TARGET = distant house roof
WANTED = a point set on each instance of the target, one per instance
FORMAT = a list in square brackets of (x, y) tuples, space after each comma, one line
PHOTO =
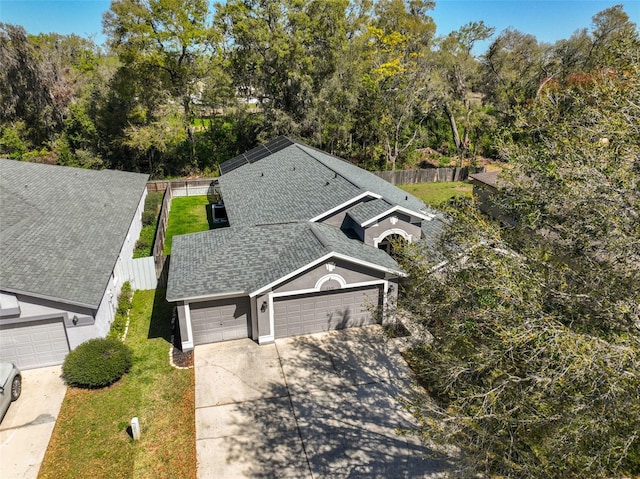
[(244, 259), (285, 181), (62, 229), (489, 178)]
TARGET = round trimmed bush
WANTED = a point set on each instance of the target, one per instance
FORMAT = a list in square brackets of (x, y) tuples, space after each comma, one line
[(97, 363)]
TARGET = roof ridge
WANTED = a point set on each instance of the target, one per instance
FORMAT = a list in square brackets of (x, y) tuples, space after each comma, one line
[(315, 229)]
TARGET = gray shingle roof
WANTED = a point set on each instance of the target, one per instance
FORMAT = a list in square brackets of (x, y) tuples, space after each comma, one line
[(244, 259), (298, 183), (61, 228), (363, 212), (367, 181)]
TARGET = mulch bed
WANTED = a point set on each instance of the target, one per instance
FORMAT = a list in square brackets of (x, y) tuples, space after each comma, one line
[(181, 359)]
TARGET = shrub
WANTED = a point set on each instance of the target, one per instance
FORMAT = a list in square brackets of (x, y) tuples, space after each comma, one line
[(124, 302), (124, 305), (97, 363)]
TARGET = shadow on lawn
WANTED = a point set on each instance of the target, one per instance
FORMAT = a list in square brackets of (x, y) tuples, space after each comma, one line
[(160, 326), (343, 416)]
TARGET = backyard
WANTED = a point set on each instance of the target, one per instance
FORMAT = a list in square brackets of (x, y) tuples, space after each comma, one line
[(439, 192), (91, 436), (188, 215)]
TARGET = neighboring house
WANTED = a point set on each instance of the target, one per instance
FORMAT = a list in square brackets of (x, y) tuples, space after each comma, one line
[(63, 235), (306, 249), (485, 186)]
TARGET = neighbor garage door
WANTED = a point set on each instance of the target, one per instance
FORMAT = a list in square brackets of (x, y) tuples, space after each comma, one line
[(315, 312), (216, 321), (34, 344)]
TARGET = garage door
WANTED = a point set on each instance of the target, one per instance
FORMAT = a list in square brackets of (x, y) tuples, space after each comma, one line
[(34, 344), (216, 321), (316, 312)]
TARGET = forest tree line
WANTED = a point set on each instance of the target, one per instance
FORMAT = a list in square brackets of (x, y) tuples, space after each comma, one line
[(182, 85)]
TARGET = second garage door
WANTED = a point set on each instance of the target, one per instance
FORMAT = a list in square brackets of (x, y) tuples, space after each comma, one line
[(216, 321), (34, 344), (326, 310)]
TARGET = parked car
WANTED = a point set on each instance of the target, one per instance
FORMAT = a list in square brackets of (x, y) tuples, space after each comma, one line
[(10, 386)]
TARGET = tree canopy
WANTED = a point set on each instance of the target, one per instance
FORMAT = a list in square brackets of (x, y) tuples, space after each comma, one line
[(367, 80), (533, 370)]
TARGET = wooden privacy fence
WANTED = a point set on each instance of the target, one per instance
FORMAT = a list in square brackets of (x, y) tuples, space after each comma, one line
[(429, 175), (193, 187), (160, 260)]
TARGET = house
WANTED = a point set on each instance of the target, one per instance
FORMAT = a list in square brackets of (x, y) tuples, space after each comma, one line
[(485, 188), (306, 249), (63, 235)]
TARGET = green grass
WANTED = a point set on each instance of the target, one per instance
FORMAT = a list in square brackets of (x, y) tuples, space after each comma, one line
[(152, 204), (439, 192), (90, 438), (188, 215)]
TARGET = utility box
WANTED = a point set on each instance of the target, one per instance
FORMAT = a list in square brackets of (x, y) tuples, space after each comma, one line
[(135, 428)]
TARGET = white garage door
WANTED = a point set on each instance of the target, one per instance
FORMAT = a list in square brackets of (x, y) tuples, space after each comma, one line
[(34, 344), (326, 310), (217, 321)]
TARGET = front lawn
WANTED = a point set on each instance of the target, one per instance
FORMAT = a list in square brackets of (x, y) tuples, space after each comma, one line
[(438, 192), (90, 438), (188, 215)]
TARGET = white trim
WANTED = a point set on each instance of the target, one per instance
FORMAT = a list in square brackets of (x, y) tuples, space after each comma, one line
[(271, 337), (393, 210), (329, 277), (327, 256), (403, 233), (344, 205), (196, 299), (188, 344), (314, 290)]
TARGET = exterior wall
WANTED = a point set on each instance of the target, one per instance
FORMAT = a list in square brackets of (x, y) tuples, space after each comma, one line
[(333, 274), (372, 233), (351, 272), (106, 311)]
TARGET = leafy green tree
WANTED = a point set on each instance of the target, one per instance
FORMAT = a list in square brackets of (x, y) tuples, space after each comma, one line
[(396, 95), (31, 90), (533, 370), (458, 72)]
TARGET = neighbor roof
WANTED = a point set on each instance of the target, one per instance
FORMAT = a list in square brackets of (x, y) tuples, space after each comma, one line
[(489, 178), (286, 181), (244, 259), (62, 228)]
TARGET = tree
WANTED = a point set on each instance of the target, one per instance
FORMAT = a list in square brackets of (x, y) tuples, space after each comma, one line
[(458, 72), (281, 53), (534, 366), (31, 91), (170, 39), (396, 95), (513, 68), (167, 48)]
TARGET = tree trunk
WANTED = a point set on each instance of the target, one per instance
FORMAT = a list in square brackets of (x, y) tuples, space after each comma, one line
[(454, 126)]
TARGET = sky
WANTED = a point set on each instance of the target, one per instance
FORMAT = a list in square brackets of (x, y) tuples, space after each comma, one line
[(548, 20)]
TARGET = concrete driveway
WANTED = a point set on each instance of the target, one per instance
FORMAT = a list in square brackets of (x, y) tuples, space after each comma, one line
[(323, 405), (26, 428)]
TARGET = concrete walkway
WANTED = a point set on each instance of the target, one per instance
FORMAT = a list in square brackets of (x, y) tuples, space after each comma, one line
[(26, 428), (323, 405)]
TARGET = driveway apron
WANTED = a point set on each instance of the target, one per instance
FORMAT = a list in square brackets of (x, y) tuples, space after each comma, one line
[(26, 428), (322, 405)]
